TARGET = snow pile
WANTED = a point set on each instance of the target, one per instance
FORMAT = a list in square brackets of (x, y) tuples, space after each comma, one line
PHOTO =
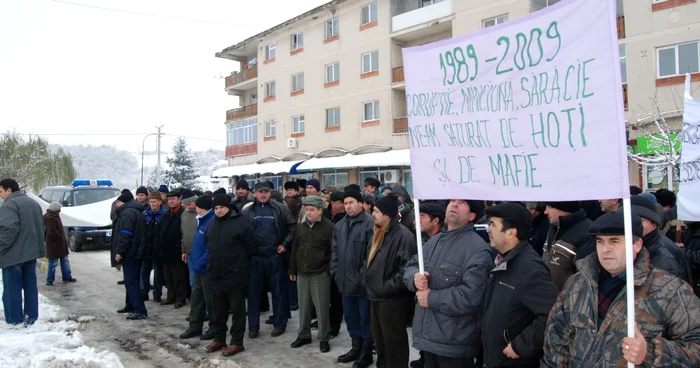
[(52, 342)]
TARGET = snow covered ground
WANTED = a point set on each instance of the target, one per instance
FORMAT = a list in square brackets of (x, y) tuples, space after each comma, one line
[(54, 341)]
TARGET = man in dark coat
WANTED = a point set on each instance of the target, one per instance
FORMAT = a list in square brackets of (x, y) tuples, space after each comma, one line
[(519, 295), (568, 240), (231, 242), (128, 242), (406, 212), (243, 195), (392, 246), (691, 245), (540, 226), (56, 245), (451, 292), (170, 242), (352, 237), (153, 255), (335, 212)]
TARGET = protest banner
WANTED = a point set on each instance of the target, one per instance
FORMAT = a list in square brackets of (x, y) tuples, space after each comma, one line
[(689, 188), (527, 110)]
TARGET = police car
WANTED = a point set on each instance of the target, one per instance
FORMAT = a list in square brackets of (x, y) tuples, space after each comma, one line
[(79, 193)]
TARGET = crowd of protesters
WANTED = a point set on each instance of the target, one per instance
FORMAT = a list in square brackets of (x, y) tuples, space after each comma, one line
[(543, 286)]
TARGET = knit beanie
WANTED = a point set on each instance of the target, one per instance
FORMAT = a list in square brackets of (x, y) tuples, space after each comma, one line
[(644, 208), (570, 207), (55, 207), (314, 183), (124, 198), (389, 205), (353, 194), (204, 202), (220, 200), (243, 184), (163, 188), (142, 190), (220, 191)]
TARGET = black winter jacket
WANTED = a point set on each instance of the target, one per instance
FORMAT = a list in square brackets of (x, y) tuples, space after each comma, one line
[(660, 257), (692, 252), (519, 297), (170, 237), (231, 243), (383, 278), (567, 243), (129, 230), (540, 230), (352, 237), (311, 254)]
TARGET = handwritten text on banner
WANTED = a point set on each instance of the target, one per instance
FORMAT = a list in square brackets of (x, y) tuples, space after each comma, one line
[(529, 110)]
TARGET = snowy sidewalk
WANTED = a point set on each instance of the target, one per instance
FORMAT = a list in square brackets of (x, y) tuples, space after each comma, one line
[(53, 341)]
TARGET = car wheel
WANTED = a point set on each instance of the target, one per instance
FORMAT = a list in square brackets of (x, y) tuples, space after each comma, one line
[(73, 243)]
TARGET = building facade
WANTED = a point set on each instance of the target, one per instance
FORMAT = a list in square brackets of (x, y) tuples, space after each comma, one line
[(323, 94)]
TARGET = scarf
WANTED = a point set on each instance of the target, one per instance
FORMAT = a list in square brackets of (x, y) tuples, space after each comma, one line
[(379, 232), (608, 289)]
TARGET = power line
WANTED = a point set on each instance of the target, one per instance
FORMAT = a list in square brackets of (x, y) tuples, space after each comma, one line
[(153, 15), (110, 134)]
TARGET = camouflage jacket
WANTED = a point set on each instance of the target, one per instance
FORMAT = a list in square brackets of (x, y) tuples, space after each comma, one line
[(667, 312)]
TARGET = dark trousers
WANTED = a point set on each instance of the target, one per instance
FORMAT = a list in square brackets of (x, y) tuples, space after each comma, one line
[(15, 280), (388, 322), (436, 361), (270, 269), (134, 298), (158, 277), (177, 280), (220, 305), (336, 312), (357, 320), (201, 298)]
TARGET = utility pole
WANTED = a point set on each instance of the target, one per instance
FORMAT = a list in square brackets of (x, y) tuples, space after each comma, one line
[(158, 144)]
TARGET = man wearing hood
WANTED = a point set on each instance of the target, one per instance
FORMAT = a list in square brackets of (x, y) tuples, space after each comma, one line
[(408, 217), (128, 244)]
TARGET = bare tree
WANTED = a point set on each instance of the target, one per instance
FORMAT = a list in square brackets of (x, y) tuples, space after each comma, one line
[(654, 126)]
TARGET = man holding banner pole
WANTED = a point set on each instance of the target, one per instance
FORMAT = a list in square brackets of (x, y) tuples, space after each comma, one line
[(451, 290), (585, 326)]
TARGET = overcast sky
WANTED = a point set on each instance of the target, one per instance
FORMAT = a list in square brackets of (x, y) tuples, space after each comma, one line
[(75, 69)]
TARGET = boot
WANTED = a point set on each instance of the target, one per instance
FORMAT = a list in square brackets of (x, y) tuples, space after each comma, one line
[(353, 354), (366, 358)]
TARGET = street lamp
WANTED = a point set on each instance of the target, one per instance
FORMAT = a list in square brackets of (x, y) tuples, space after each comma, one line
[(142, 148)]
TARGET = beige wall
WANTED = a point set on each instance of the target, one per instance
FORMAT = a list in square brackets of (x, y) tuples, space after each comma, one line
[(470, 14)]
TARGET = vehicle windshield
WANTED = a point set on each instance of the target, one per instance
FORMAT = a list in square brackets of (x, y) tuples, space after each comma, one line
[(83, 197)]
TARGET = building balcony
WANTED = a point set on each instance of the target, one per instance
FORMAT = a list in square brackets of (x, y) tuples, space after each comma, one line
[(397, 75), (245, 80), (621, 27), (400, 125), (423, 22), (242, 150), (242, 112)]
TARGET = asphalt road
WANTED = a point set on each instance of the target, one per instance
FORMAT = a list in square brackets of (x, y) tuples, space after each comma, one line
[(154, 342)]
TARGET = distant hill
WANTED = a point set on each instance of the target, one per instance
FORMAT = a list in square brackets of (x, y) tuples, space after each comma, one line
[(124, 167)]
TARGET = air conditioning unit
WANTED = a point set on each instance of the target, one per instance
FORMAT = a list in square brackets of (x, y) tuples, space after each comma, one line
[(391, 176), (292, 143)]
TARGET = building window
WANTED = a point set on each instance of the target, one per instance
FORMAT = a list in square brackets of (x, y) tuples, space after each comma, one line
[(536, 5), (370, 62), (333, 72), (408, 181), (332, 27), (270, 128), (339, 180), (623, 63), (254, 99), (276, 181), (678, 59), (333, 117), (425, 3), (296, 41), (368, 13), (270, 89), (495, 21), (242, 132), (270, 51), (298, 82), (371, 111), (298, 124), (370, 172)]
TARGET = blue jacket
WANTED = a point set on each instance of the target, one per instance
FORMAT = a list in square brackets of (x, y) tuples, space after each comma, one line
[(198, 255)]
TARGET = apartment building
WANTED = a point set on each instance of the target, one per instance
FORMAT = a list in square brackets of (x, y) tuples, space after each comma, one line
[(323, 94)]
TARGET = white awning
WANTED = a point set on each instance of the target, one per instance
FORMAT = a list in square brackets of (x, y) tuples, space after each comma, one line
[(280, 167), (379, 159)]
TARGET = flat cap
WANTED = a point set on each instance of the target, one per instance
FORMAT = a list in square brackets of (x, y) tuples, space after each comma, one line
[(513, 212), (313, 200), (613, 223)]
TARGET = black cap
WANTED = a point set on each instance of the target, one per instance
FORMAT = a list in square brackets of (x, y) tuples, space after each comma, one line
[(644, 208), (220, 191), (373, 182), (613, 223), (389, 205), (351, 187), (126, 197), (337, 196), (570, 206), (263, 185), (204, 202), (221, 200), (353, 194), (142, 190), (174, 193), (514, 213), (243, 184), (433, 210)]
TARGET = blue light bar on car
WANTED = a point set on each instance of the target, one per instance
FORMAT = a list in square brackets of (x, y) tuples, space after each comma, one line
[(85, 182)]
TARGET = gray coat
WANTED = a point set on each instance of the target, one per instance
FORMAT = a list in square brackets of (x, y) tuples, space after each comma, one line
[(21, 230), (352, 237), (459, 263), (188, 227)]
